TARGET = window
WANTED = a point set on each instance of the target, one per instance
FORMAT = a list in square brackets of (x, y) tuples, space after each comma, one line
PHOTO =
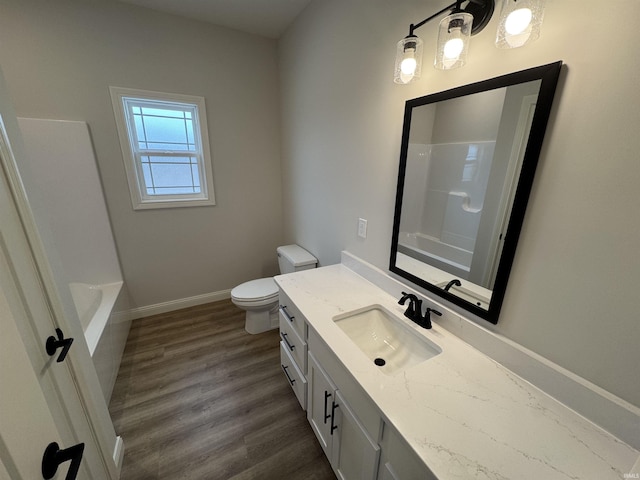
[(165, 148)]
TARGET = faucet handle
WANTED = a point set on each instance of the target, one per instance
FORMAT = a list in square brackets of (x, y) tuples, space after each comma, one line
[(426, 321)]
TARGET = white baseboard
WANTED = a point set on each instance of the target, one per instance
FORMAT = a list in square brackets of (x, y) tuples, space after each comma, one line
[(118, 453), (172, 305)]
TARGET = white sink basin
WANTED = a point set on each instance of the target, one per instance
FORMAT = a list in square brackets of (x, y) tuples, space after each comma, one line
[(385, 339)]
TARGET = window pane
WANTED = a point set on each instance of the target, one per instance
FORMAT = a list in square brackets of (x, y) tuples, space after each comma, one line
[(190, 136), (163, 112), (171, 175), (164, 130), (195, 174), (148, 180)]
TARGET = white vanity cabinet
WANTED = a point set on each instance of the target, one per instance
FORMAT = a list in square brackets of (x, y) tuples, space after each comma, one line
[(349, 447), (293, 347), (397, 461), (345, 420)]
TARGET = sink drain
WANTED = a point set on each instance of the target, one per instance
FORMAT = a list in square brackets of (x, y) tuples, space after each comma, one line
[(380, 362)]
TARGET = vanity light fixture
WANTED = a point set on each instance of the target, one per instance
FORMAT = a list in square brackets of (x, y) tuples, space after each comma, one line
[(520, 22)]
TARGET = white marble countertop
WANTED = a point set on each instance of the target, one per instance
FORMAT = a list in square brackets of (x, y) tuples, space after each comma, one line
[(464, 414)]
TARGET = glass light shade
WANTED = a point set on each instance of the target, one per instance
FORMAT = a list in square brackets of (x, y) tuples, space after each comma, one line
[(408, 60), (454, 34), (520, 22)]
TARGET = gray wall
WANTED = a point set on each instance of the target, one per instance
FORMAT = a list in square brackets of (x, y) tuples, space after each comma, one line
[(577, 268), (59, 58)]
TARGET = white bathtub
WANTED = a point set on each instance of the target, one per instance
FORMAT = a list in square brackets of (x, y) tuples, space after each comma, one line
[(432, 251), (104, 332)]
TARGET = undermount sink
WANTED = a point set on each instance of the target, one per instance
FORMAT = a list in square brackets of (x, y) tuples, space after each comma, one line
[(385, 339)]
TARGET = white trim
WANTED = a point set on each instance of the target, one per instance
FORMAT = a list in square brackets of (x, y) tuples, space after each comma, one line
[(170, 306), (599, 406), (139, 199), (118, 453)]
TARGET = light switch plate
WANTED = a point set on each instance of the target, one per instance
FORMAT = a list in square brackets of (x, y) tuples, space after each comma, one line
[(362, 228)]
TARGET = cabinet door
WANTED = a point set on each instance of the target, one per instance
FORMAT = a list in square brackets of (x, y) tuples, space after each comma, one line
[(398, 461), (320, 399), (355, 454), (387, 472)]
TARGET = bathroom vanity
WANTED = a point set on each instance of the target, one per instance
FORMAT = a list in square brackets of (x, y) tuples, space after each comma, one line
[(452, 412)]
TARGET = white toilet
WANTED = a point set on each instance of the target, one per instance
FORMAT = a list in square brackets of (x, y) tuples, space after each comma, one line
[(260, 297)]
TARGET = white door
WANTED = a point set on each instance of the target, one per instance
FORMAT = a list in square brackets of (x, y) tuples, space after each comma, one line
[(26, 424), (40, 399)]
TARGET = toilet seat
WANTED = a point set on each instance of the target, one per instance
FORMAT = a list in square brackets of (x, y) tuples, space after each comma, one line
[(255, 293)]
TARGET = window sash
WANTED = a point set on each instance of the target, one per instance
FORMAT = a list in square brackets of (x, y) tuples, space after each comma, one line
[(188, 115), (169, 165), (148, 159)]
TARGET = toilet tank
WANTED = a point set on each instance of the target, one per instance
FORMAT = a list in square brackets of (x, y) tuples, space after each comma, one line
[(294, 258)]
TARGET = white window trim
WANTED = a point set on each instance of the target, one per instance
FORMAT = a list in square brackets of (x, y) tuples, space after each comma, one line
[(139, 199)]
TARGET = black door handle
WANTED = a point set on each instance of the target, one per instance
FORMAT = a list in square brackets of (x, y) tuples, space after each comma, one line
[(53, 457), (54, 344)]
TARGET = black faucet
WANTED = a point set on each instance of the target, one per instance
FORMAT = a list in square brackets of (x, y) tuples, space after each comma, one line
[(453, 282), (414, 310), (426, 321)]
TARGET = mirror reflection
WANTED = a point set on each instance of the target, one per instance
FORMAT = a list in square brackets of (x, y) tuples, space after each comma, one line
[(461, 164)]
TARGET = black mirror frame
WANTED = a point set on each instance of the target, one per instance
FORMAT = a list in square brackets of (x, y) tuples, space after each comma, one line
[(548, 74)]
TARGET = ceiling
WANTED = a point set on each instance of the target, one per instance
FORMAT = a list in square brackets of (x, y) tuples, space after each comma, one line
[(269, 18)]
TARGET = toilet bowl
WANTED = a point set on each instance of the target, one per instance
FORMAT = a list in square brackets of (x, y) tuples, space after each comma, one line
[(259, 298)]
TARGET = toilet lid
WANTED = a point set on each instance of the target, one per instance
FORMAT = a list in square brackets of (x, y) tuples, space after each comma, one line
[(256, 290)]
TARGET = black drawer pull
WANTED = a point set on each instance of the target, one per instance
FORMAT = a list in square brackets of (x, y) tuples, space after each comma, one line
[(326, 415), (284, 338), (53, 457), (291, 380), (286, 314), (334, 405), (54, 344)]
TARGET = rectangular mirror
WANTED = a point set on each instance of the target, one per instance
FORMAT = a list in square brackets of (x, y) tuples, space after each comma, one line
[(467, 162)]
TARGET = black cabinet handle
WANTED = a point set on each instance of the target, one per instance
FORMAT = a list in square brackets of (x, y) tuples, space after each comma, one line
[(326, 415), (54, 344), (286, 314), (53, 457), (334, 405), (291, 380), (284, 337)]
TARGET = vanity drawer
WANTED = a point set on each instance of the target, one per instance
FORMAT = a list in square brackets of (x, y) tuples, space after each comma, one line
[(293, 315), (294, 375), (294, 344)]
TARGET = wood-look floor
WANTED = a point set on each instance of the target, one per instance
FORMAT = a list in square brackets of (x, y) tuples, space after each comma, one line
[(199, 398)]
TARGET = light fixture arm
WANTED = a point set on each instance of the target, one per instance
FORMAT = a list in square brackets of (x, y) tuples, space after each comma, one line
[(482, 10), (414, 27)]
